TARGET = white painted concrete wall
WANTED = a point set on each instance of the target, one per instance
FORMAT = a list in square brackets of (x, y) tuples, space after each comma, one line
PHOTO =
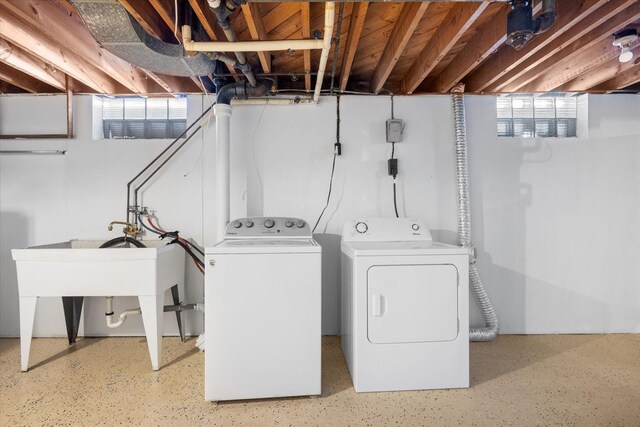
[(555, 222)]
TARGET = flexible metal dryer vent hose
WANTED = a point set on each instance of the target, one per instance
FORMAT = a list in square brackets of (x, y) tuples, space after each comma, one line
[(490, 330)]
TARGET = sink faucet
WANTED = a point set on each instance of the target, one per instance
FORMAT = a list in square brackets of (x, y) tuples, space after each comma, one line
[(129, 229)]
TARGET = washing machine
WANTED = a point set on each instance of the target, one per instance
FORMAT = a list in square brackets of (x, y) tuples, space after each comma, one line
[(405, 307), (263, 311)]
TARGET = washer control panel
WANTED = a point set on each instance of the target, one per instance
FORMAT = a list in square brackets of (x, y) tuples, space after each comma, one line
[(386, 230), (268, 227)]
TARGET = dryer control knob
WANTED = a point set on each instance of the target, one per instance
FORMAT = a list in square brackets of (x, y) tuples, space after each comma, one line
[(248, 224), (415, 227), (237, 224), (362, 227), (300, 224), (288, 223), (269, 223)]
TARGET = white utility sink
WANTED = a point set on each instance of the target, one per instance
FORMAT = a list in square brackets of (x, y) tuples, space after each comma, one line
[(79, 268)]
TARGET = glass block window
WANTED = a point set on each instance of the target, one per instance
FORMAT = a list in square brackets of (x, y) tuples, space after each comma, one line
[(524, 116), (143, 118)]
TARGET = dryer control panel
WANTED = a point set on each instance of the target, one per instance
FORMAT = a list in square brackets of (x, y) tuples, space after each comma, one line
[(386, 230), (268, 227)]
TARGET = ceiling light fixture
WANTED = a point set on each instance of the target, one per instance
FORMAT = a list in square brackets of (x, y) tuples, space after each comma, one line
[(624, 40)]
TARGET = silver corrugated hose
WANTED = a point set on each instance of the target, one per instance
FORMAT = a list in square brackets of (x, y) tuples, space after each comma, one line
[(490, 330)]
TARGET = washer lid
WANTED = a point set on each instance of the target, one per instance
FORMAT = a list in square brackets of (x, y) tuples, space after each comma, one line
[(401, 248), (247, 246)]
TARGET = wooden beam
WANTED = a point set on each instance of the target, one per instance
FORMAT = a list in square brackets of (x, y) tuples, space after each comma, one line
[(306, 34), (577, 48), (279, 14), (358, 16), (506, 59), (599, 74), (210, 25), (408, 20), (69, 61), (206, 17), (166, 10), (24, 81), (149, 19), (626, 78), (16, 58), (489, 38), (254, 21), (582, 32), (67, 37), (174, 84), (571, 68), (455, 24)]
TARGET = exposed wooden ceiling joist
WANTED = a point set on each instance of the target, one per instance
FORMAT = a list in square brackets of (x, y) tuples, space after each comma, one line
[(255, 24), (566, 70), (306, 33), (579, 49), (620, 81), (166, 10), (410, 16), (24, 81), (70, 39), (457, 22), (145, 14), (206, 18), (32, 41), (490, 37), (599, 74), (16, 58), (588, 29), (358, 15), (506, 59)]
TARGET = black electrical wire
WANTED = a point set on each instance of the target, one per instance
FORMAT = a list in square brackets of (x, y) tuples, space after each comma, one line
[(336, 48), (186, 248), (337, 150), (333, 168), (393, 151)]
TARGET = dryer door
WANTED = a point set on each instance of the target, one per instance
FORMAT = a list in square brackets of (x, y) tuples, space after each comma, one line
[(412, 303)]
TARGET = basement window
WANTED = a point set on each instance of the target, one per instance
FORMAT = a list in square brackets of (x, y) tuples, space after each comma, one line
[(537, 116), (141, 118)]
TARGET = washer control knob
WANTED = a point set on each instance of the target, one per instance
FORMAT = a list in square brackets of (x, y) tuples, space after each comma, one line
[(236, 224), (362, 227), (288, 223), (269, 223), (300, 224), (415, 227), (248, 224)]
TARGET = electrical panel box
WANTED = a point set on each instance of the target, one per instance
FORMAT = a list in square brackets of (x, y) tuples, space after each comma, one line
[(395, 127)]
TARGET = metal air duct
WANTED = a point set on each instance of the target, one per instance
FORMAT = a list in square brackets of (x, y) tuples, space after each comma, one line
[(119, 33)]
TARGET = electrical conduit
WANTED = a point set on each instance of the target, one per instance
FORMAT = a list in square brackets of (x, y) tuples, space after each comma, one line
[(490, 330)]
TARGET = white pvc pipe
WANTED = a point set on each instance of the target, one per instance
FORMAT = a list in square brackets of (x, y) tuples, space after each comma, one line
[(329, 16), (123, 315), (248, 46), (222, 113)]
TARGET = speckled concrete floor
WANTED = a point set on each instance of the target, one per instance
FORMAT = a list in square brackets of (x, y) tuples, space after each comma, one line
[(518, 380)]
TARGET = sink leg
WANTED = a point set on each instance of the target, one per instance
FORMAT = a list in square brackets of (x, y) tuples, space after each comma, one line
[(72, 311), (152, 307), (27, 316), (176, 301)]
